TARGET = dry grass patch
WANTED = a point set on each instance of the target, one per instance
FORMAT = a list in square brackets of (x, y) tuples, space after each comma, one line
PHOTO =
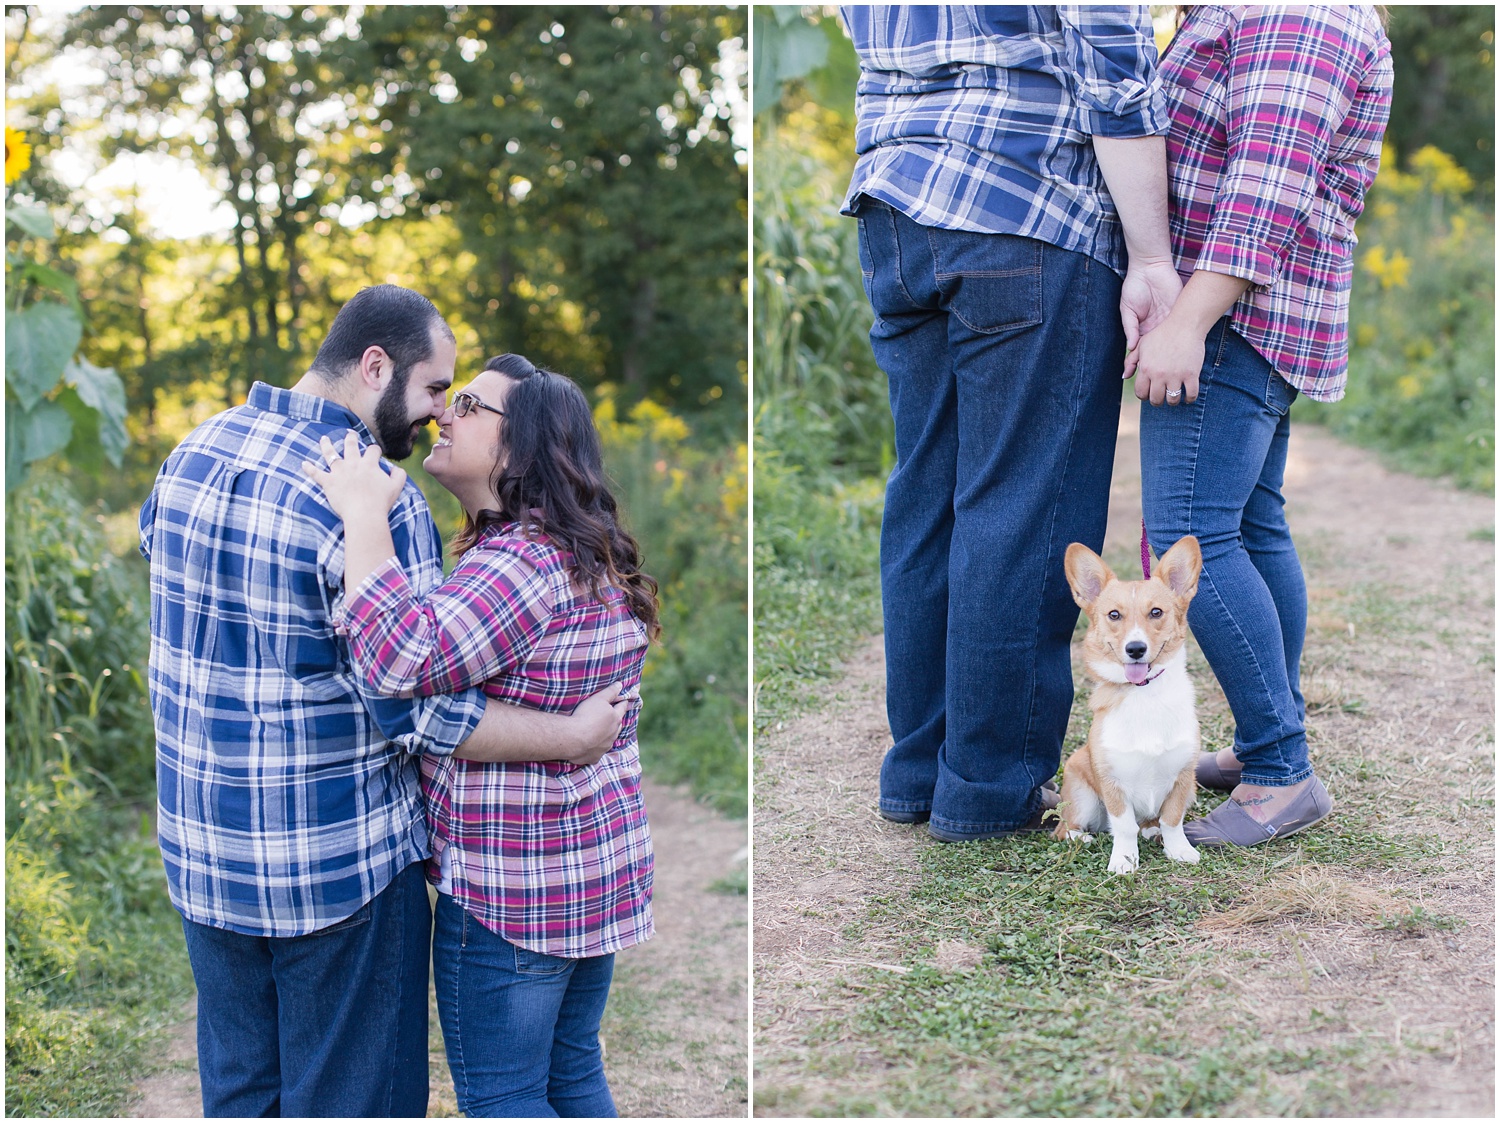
[(1308, 893)]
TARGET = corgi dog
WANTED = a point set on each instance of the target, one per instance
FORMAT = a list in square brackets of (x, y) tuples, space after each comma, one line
[(1137, 768)]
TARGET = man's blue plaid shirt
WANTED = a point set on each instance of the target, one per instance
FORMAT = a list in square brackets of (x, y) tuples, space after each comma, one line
[(982, 118), (288, 795)]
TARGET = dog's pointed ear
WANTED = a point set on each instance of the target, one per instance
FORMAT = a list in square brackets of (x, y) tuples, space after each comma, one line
[(1180, 566), (1087, 574)]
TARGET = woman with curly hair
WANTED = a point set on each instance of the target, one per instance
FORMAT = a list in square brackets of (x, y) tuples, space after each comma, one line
[(543, 870)]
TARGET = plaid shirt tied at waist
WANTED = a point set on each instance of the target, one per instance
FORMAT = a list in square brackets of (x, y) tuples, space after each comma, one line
[(1277, 118), (288, 793), (982, 118), (553, 857)]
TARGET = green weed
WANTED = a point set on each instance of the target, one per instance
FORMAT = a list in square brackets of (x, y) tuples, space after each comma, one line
[(823, 437), (1077, 1004), (95, 964), (735, 884), (1422, 325)]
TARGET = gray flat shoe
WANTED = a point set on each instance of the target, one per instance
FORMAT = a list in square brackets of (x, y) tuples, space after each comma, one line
[(1215, 778), (1230, 825)]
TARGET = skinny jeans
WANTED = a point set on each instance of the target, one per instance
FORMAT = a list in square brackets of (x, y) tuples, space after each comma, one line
[(1214, 468)]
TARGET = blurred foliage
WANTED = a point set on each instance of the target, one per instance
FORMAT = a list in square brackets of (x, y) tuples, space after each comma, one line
[(585, 158), (823, 437), (688, 507), (1444, 58), (561, 181), (55, 399), (1422, 324), (76, 642), (94, 966)]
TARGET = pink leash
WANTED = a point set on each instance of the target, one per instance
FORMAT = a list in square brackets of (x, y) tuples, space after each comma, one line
[(1145, 554)]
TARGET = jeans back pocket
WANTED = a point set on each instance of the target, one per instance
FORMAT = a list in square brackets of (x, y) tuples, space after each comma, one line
[(991, 282), (1280, 394)]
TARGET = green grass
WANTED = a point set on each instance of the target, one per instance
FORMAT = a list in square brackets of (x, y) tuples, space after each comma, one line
[(1080, 1003), (1092, 995), (824, 440), (95, 964), (735, 884), (817, 580)]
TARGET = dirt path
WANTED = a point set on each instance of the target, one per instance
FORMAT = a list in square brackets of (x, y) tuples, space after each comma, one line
[(675, 1031), (1399, 679)]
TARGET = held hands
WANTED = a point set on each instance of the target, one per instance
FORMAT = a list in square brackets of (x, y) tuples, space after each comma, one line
[(1167, 362), (1149, 290), (354, 483), (1168, 357)]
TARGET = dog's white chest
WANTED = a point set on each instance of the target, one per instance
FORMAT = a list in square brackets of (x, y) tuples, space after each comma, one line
[(1148, 739)]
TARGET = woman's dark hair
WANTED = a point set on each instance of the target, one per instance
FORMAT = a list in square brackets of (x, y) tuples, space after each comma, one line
[(395, 319), (551, 476)]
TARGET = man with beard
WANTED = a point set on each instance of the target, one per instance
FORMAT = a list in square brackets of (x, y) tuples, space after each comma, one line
[(289, 808)]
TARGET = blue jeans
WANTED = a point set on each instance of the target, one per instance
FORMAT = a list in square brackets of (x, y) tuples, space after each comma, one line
[(1213, 469), (333, 1023), (521, 1027), (1004, 357)]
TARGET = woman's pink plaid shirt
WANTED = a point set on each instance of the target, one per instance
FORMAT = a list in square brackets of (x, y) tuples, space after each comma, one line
[(553, 857), (1277, 116)]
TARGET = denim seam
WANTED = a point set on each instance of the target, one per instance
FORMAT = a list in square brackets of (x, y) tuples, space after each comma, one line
[(1034, 799), (462, 1076), (905, 804), (900, 265), (979, 829), (1015, 327)]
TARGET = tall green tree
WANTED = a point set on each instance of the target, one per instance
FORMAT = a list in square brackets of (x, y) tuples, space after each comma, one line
[(586, 156), (1444, 57), (245, 93)]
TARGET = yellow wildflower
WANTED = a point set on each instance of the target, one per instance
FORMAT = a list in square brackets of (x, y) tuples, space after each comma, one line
[(664, 426), (1397, 270), (1391, 271), (1441, 171), (1409, 385), (735, 493), (1391, 179), (17, 154)]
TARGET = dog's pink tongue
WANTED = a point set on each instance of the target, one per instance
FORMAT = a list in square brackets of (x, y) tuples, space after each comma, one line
[(1137, 672)]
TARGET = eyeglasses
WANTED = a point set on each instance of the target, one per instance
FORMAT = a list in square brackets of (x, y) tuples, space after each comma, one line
[(464, 404)]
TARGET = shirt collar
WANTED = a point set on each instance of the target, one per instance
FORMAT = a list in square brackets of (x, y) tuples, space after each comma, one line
[(306, 407)]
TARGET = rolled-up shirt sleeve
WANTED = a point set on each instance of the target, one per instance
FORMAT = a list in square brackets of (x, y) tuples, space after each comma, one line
[(435, 724), (1293, 74), (487, 616), (438, 724), (1112, 52)]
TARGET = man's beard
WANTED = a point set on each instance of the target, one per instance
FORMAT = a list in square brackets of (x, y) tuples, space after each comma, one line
[(395, 432)]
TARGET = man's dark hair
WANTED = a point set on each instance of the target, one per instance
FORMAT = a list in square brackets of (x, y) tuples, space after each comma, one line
[(387, 316)]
